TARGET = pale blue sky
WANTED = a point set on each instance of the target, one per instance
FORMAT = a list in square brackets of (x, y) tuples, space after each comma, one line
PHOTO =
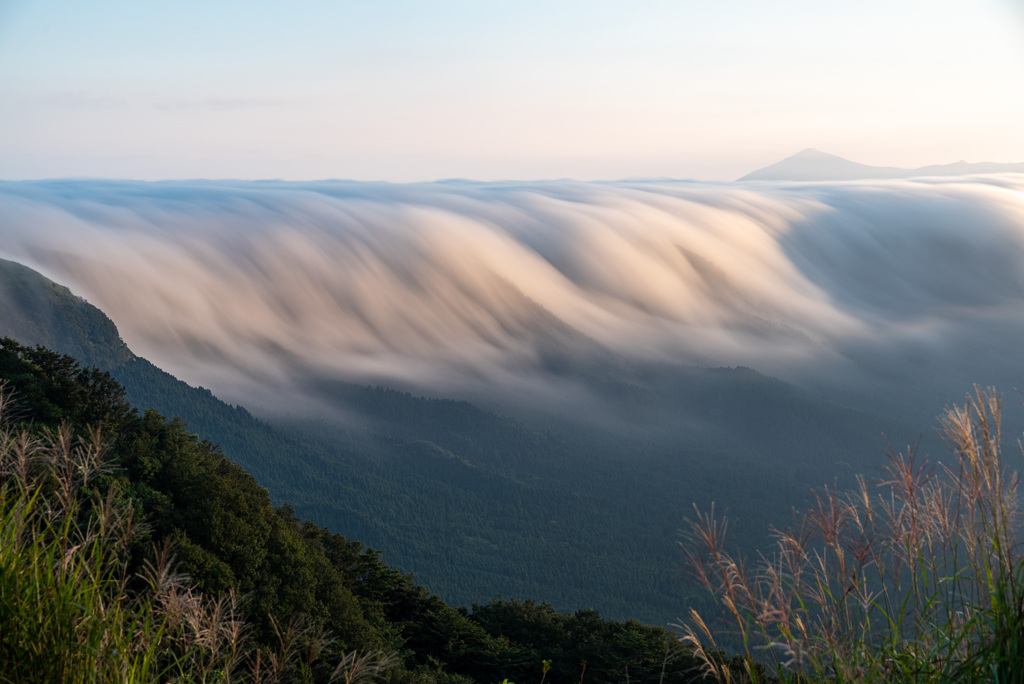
[(487, 89)]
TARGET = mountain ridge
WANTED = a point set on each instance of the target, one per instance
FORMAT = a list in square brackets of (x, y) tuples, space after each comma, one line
[(814, 165)]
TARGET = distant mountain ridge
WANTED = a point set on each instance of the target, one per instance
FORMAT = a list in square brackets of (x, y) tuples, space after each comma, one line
[(815, 165), (39, 311)]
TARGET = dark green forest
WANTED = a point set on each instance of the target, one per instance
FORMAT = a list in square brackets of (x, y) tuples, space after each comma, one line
[(227, 535)]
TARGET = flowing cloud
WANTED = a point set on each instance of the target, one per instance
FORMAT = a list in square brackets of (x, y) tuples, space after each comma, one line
[(251, 287)]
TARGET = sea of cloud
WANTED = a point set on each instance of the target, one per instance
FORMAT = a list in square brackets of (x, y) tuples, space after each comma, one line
[(897, 287)]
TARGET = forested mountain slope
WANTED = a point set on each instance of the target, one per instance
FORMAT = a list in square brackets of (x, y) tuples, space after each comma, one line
[(228, 537), (478, 504)]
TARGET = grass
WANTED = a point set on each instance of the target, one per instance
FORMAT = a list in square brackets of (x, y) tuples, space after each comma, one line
[(72, 612), (916, 578)]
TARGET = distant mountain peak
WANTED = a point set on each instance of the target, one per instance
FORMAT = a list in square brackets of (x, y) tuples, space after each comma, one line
[(811, 164), (811, 152)]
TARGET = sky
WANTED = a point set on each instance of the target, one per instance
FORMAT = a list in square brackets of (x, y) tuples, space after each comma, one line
[(404, 90)]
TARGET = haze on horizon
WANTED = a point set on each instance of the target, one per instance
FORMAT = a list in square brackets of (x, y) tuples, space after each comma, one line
[(405, 91)]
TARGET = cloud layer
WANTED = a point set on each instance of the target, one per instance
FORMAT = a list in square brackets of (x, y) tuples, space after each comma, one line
[(245, 286)]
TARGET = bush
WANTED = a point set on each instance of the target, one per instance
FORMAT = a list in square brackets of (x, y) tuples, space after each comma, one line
[(72, 611), (921, 581)]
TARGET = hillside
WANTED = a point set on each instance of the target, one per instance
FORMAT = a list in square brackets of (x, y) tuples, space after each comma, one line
[(229, 538), (477, 504)]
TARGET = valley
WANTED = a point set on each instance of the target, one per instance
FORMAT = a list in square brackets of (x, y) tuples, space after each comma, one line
[(479, 505)]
